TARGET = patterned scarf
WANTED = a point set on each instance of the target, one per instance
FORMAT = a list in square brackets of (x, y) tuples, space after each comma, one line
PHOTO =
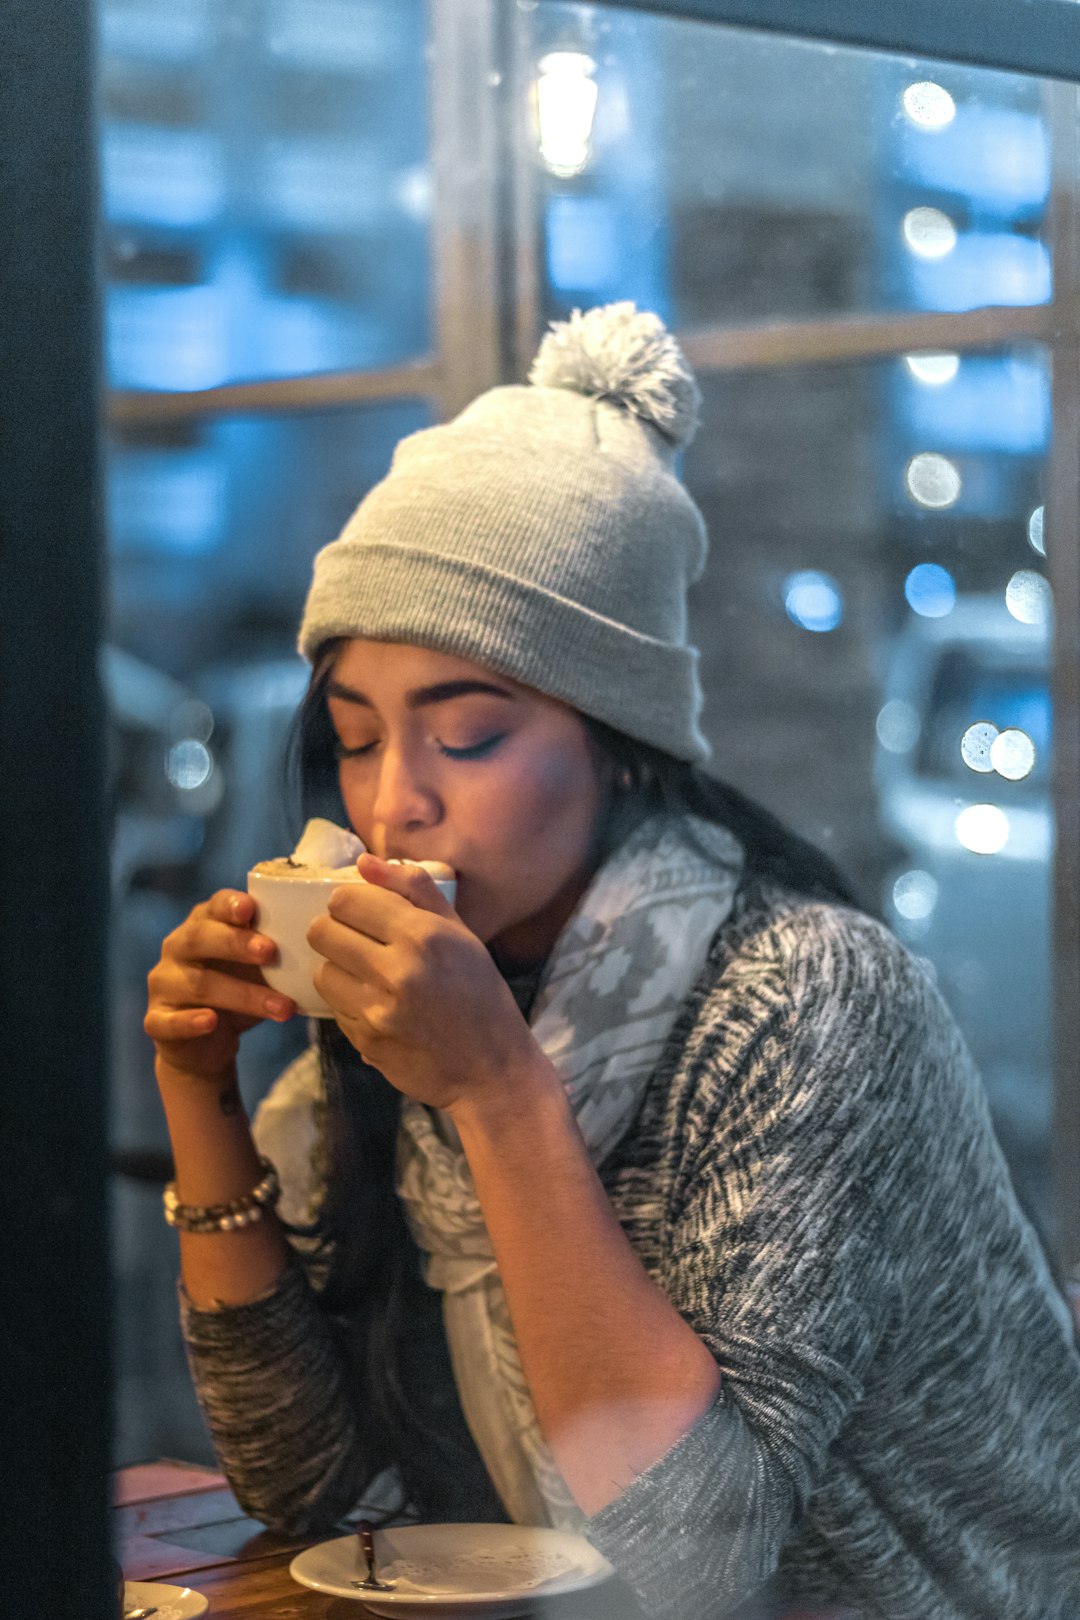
[(606, 1001)]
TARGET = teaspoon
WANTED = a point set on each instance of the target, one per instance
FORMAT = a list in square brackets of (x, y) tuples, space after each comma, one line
[(371, 1582)]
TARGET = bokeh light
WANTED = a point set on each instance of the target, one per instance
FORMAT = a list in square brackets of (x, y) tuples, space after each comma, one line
[(898, 726), (1012, 754), (915, 894), (933, 369), (929, 233), (976, 743), (982, 828), (813, 600), (1028, 597), (188, 764), (932, 480), (930, 590), (192, 718), (1036, 537), (928, 104)]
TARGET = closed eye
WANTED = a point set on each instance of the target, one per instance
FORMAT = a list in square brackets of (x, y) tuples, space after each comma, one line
[(476, 751)]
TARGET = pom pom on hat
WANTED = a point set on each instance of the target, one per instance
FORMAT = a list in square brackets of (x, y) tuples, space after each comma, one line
[(629, 357)]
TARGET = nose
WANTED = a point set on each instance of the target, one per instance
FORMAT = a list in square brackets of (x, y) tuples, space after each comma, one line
[(405, 800)]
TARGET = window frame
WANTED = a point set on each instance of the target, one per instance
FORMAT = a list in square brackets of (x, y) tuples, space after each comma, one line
[(1041, 37)]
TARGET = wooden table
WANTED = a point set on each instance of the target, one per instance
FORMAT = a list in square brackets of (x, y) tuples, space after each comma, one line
[(180, 1523)]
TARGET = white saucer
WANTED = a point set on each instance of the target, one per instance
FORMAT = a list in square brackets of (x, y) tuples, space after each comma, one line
[(171, 1602), (448, 1570)]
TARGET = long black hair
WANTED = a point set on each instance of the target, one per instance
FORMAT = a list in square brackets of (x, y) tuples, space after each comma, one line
[(373, 1290)]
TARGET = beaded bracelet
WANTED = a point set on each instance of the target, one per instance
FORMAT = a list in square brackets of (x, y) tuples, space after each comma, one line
[(232, 1217)]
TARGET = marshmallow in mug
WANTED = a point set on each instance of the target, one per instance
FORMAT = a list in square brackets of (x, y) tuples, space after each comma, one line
[(291, 891)]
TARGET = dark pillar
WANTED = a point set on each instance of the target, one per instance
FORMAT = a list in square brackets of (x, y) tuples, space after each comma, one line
[(54, 1290)]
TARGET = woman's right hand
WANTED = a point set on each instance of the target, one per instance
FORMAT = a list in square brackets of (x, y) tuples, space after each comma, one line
[(207, 988)]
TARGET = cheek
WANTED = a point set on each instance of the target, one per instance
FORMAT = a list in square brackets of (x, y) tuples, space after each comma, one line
[(357, 802), (555, 799), (527, 835), (349, 797)]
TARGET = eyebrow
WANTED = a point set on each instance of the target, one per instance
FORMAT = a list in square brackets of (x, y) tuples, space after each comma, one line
[(421, 696)]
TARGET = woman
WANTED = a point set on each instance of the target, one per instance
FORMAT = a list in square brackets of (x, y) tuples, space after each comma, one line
[(651, 1191)]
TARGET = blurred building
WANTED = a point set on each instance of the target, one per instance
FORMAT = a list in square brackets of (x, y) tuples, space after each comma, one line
[(266, 192)]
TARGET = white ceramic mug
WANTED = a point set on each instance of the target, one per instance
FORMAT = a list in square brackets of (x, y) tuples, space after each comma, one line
[(287, 907)]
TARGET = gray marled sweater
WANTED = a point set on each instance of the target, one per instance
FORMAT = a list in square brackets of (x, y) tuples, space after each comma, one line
[(814, 1183)]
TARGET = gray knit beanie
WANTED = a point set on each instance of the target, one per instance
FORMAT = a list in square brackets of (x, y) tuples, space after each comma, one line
[(544, 533)]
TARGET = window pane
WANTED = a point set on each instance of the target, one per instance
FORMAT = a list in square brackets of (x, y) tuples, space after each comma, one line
[(213, 523), (724, 176), (875, 619), (265, 188), (876, 655)]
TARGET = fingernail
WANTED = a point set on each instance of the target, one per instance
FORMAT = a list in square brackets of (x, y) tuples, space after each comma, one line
[(277, 1007), (203, 1020), (258, 947)]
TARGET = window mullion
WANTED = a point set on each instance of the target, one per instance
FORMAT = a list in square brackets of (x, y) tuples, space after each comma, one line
[(1063, 563), (464, 62)]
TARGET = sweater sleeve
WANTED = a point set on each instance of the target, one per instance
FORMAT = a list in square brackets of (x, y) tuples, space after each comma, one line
[(272, 1376), (273, 1387), (791, 1135)]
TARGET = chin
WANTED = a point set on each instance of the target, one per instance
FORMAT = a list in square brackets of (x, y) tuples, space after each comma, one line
[(488, 920)]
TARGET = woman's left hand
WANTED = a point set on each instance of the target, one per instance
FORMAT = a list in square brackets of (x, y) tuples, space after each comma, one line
[(416, 991)]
